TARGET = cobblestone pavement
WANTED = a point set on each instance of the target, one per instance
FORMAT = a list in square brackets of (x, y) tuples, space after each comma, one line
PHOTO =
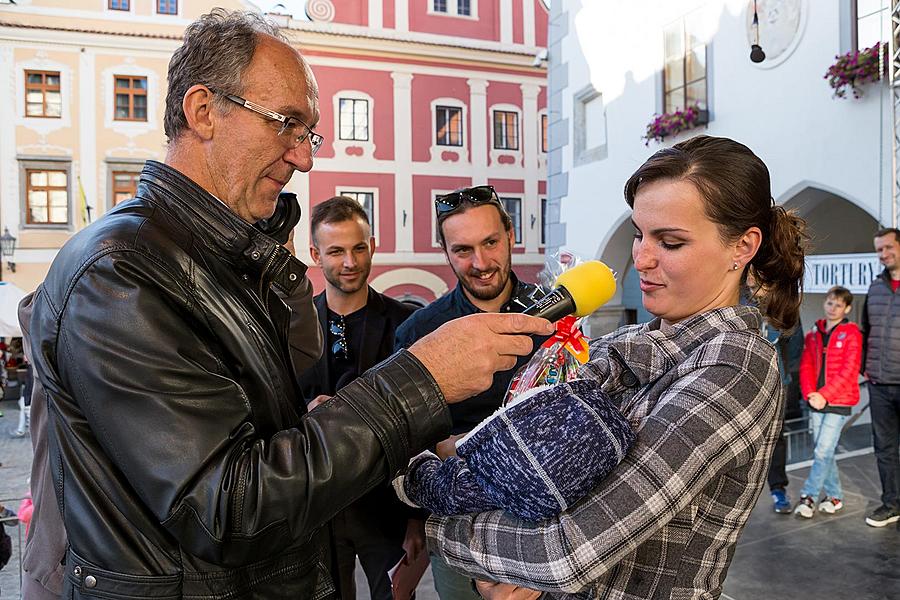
[(15, 456)]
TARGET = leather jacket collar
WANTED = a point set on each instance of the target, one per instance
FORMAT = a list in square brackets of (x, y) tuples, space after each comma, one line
[(256, 255)]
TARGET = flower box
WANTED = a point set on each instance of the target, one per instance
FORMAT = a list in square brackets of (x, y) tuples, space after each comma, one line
[(674, 123), (854, 69)]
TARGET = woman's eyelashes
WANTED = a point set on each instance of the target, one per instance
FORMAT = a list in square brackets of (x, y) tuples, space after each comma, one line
[(666, 244)]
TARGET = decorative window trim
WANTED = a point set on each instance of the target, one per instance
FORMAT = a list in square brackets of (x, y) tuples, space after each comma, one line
[(62, 163), (44, 125), (340, 146), (436, 149), (108, 93), (112, 165), (582, 154), (521, 198), (496, 153), (375, 217), (452, 10), (132, 92)]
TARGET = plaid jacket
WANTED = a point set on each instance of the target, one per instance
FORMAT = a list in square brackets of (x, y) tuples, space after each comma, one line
[(703, 398)]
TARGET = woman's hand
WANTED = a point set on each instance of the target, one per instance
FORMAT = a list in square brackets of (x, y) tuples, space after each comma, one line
[(505, 591)]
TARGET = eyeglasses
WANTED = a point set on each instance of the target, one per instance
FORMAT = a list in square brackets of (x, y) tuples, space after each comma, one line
[(338, 329), (292, 129), (482, 194)]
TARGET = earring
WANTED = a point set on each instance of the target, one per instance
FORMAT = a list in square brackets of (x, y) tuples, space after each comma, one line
[(734, 267)]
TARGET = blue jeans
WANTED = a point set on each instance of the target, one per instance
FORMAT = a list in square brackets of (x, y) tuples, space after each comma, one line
[(885, 404), (824, 472)]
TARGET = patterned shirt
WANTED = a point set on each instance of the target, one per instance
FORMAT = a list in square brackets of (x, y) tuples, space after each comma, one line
[(703, 396)]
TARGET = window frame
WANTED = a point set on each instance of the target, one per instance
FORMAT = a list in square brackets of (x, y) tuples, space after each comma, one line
[(346, 190), (131, 96), (854, 23), (340, 127), (686, 52), (543, 132), (453, 9), (157, 3), (109, 5), (31, 164), (44, 88), (462, 125), (518, 137), (543, 205), (520, 242)]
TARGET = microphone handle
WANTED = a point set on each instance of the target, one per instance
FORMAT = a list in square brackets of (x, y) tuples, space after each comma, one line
[(554, 306)]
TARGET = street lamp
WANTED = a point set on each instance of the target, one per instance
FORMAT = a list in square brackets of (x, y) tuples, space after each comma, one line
[(8, 248)]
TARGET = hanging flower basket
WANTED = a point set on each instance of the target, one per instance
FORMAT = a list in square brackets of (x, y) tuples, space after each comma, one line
[(674, 123), (854, 69)]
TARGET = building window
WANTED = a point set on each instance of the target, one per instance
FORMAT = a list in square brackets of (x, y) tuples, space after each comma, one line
[(124, 185), (545, 141), (439, 6), (46, 197), (463, 7), (367, 201), (514, 207), (167, 7), (354, 119), (119, 4), (131, 98), (459, 8), (543, 221), (684, 77), (872, 22), (42, 94), (448, 123), (506, 130)]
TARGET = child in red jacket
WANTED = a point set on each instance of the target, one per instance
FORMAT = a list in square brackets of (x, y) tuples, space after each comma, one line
[(829, 370)]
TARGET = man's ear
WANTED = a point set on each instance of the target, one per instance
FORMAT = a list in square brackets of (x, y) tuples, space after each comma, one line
[(314, 254), (371, 245), (197, 105)]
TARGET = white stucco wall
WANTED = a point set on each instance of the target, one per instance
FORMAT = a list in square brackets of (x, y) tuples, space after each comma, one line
[(785, 113)]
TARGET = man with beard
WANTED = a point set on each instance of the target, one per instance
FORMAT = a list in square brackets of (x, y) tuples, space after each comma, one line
[(359, 325), (477, 237)]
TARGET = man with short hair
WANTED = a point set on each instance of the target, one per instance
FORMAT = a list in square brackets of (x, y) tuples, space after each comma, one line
[(881, 364), (359, 325), (182, 459), (476, 234)]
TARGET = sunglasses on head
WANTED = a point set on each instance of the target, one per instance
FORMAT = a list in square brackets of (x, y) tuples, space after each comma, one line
[(481, 194)]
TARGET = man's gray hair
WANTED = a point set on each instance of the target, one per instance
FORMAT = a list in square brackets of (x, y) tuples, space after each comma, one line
[(217, 48)]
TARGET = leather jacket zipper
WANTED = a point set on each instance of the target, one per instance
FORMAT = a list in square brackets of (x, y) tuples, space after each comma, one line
[(263, 285)]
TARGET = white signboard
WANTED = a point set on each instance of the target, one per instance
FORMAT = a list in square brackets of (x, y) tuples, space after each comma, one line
[(853, 271)]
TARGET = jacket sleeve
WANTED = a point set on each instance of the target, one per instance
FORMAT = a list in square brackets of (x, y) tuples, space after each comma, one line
[(839, 385), (864, 328), (704, 425), (146, 373), (808, 374)]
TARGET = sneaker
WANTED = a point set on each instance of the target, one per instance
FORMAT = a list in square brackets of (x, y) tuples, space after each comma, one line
[(17, 433), (882, 516), (830, 505), (781, 502), (806, 508)]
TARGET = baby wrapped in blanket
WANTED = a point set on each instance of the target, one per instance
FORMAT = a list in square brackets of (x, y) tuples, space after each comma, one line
[(534, 457)]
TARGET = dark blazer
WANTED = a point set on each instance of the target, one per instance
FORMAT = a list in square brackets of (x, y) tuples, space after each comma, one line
[(382, 319)]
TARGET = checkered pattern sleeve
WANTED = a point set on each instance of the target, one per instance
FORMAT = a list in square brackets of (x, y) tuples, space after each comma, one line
[(713, 418)]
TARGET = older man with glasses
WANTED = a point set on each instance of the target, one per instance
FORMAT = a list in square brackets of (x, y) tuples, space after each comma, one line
[(183, 459), (477, 236)]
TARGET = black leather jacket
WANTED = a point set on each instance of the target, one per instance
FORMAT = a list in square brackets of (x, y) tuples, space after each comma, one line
[(182, 466)]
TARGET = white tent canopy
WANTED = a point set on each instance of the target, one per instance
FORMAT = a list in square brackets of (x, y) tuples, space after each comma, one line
[(10, 296)]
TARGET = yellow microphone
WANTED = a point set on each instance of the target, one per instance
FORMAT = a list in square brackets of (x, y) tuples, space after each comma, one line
[(580, 291)]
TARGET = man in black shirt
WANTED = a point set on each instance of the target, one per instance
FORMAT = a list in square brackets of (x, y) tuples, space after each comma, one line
[(477, 237), (358, 325)]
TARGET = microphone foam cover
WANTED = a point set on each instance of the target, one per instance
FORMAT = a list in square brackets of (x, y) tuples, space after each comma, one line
[(591, 285)]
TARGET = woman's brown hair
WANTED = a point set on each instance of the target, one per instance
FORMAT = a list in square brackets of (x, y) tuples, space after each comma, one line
[(734, 184)]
